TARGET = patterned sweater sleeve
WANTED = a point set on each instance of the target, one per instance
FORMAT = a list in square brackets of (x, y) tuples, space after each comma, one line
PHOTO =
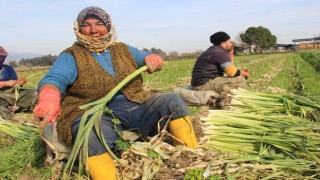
[(62, 74), (138, 55)]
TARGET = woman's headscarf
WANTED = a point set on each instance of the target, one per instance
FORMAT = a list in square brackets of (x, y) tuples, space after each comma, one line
[(94, 44), (3, 52)]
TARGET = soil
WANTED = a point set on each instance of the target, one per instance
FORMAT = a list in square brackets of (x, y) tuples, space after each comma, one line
[(196, 121)]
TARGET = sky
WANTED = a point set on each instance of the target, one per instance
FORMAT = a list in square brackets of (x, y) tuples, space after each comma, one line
[(46, 26)]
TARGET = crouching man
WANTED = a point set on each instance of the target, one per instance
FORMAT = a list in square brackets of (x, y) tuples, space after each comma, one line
[(8, 81)]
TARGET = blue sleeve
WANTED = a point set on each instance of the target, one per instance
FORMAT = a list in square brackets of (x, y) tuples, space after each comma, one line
[(12, 73), (7, 73), (62, 74), (138, 55)]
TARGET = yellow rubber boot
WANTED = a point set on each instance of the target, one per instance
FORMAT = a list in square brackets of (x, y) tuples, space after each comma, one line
[(102, 167), (182, 129)]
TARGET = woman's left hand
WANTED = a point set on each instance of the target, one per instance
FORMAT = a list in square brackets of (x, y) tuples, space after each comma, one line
[(153, 62)]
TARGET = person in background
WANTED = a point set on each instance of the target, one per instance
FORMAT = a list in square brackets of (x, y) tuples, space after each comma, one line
[(8, 81), (87, 71), (209, 69)]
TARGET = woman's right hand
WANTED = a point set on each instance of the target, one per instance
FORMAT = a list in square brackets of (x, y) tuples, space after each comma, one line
[(9, 83), (48, 107)]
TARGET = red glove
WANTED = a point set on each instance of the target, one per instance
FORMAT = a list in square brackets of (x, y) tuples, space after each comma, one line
[(48, 107), (153, 62), (21, 81), (245, 73)]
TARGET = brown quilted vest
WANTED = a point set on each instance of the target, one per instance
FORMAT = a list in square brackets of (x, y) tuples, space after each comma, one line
[(93, 83)]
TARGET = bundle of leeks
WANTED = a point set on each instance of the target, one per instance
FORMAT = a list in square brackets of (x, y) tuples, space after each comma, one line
[(281, 103)]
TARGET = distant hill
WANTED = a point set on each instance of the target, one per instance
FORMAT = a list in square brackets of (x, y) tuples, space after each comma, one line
[(18, 56)]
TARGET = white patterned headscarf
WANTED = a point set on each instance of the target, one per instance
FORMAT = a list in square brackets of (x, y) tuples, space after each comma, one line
[(94, 44)]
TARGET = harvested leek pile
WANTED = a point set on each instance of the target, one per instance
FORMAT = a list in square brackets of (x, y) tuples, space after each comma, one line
[(282, 103), (276, 130), (20, 149)]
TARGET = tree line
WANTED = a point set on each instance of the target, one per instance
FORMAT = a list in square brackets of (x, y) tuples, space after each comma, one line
[(46, 60)]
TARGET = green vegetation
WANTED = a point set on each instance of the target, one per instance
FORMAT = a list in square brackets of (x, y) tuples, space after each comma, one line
[(282, 72), (196, 174), (313, 58), (175, 73), (33, 74), (20, 150)]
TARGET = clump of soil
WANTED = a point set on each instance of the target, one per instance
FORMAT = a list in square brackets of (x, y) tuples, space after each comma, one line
[(196, 121)]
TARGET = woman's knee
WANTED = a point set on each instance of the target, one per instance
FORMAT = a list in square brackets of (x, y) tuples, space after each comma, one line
[(173, 97), (176, 104), (95, 144)]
